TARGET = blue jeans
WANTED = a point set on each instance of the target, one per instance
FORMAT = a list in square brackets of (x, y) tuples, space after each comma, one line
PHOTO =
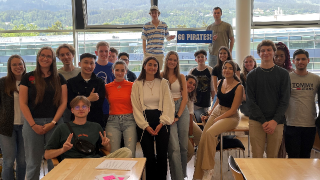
[(213, 60), (34, 147), (13, 149), (178, 144), (119, 125)]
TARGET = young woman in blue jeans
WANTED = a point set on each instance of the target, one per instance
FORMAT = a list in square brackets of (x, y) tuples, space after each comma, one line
[(121, 121), (11, 120), (178, 142), (43, 99)]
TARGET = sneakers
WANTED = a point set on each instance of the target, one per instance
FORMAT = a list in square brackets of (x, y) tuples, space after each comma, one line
[(207, 174)]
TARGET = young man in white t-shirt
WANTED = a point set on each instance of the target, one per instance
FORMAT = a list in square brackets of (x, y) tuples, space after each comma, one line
[(300, 129)]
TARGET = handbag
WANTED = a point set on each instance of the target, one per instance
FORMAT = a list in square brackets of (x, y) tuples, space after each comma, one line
[(81, 145)]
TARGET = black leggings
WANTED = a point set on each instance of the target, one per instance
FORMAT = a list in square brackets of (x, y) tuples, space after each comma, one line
[(156, 165)]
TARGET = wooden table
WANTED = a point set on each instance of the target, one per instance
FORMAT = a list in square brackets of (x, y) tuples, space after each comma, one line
[(278, 168), (84, 169)]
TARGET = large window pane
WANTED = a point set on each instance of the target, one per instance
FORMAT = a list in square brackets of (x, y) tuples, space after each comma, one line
[(28, 47), (125, 12), (35, 15), (287, 10)]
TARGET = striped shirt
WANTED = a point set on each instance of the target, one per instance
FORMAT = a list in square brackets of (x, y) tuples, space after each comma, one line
[(155, 37)]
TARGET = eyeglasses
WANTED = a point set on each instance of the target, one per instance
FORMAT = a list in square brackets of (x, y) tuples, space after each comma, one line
[(77, 108), (44, 56), (124, 59)]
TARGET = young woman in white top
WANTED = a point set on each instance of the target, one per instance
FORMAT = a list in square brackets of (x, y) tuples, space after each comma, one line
[(178, 142), (153, 111)]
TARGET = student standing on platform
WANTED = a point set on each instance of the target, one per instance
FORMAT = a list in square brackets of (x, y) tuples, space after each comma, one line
[(153, 34), (11, 120), (194, 130), (121, 121), (65, 53), (86, 83), (203, 73), (222, 36), (178, 142), (300, 129), (113, 57), (43, 99), (224, 116), (62, 140), (153, 111), (130, 76), (103, 70), (224, 54), (249, 63), (268, 93)]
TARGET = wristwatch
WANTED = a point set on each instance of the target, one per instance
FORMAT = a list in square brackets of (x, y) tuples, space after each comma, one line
[(55, 123), (176, 116)]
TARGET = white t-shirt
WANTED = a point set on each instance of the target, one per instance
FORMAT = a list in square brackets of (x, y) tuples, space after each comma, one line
[(17, 111), (151, 93)]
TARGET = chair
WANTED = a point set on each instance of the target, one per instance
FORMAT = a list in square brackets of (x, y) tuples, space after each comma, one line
[(57, 160), (236, 172), (228, 143), (316, 144)]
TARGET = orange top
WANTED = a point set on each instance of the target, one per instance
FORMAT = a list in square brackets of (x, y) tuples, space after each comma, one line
[(119, 97)]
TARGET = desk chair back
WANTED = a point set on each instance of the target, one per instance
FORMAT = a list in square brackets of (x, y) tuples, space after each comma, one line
[(236, 173), (316, 144)]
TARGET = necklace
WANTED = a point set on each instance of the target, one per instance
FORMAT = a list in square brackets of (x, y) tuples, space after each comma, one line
[(148, 83), (268, 70), (226, 87)]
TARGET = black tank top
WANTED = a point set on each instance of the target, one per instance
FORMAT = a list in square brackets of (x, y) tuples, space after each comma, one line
[(226, 99)]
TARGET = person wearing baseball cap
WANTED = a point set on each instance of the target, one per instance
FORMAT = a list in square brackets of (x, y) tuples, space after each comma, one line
[(153, 35)]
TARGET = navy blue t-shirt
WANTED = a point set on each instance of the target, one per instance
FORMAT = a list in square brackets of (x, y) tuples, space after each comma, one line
[(105, 73)]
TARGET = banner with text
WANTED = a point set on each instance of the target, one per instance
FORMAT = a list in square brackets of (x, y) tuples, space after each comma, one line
[(194, 37)]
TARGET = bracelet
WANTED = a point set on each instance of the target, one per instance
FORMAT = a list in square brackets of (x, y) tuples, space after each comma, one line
[(33, 125), (191, 136)]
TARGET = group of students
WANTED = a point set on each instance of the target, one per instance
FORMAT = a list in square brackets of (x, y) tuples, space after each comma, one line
[(103, 94)]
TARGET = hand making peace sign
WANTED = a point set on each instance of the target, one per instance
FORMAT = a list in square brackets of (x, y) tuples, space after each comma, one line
[(67, 145), (105, 140)]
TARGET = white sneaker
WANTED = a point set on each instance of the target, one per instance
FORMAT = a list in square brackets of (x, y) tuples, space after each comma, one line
[(207, 174)]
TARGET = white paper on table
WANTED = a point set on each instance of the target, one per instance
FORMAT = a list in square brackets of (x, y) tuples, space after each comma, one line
[(117, 164)]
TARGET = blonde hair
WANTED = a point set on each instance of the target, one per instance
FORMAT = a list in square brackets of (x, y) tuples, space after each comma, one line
[(102, 43), (176, 71), (68, 46), (77, 99)]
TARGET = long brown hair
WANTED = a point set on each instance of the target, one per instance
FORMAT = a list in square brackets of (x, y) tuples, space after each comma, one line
[(10, 79), (143, 74), (220, 63), (234, 66), (54, 79), (244, 70), (176, 70), (193, 95)]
